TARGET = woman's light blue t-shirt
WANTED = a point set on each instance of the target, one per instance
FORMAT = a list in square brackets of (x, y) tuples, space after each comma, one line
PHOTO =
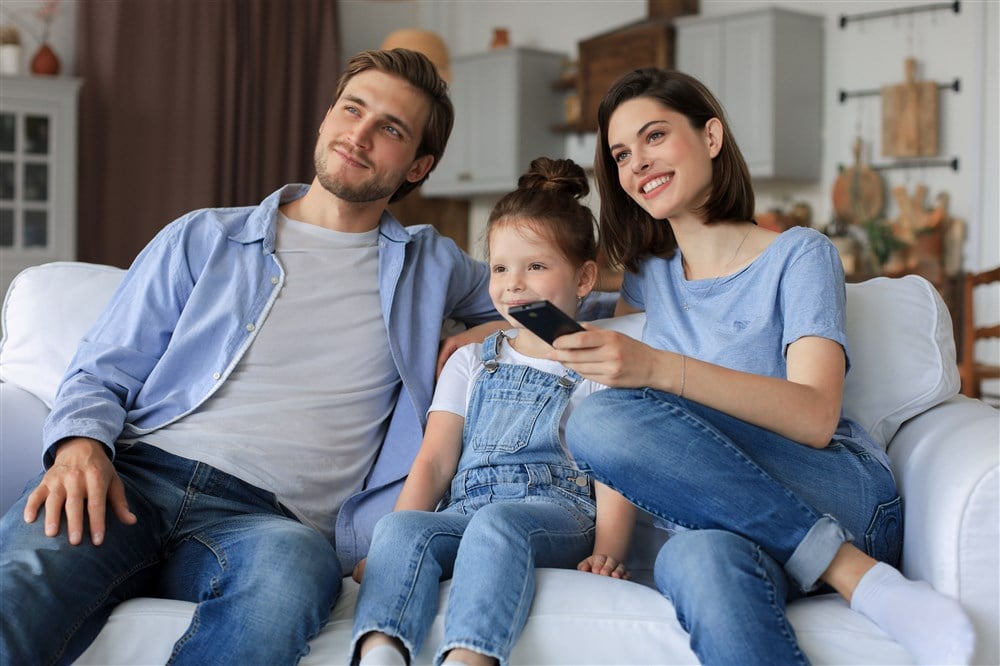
[(745, 321)]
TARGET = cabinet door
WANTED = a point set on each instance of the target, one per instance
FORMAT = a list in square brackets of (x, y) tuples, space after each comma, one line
[(505, 107), (495, 121), (479, 148), (748, 88), (776, 118), (454, 167), (700, 54)]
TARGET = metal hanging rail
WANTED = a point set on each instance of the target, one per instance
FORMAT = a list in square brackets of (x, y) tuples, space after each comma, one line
[(854, 18), (912, 164), (955, 85)]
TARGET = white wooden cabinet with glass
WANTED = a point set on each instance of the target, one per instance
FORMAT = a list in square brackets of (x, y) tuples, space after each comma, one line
[(38, 142)]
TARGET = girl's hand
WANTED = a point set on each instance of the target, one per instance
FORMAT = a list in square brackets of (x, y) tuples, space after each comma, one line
[(604, 565), (359, 570), (608, 357)]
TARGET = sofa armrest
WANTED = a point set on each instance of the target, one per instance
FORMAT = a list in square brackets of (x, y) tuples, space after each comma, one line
[(947, 466), (21, 418)]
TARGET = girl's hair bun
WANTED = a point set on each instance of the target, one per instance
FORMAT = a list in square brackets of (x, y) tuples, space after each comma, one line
[(564, 176)]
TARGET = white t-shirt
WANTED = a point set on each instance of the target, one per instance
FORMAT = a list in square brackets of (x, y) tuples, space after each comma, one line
[(305, 411), (454, 387)]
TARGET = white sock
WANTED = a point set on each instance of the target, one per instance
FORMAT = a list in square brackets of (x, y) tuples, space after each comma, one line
[(383, 655), (932, 626)]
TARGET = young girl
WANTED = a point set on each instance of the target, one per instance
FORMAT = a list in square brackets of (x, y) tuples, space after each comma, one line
[(494, 457), (738, 436)]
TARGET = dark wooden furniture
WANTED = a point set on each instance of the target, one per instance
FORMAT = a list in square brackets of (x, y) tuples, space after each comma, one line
[(973, 330)]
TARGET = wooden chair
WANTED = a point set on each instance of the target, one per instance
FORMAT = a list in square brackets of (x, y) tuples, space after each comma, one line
[(971, 372)]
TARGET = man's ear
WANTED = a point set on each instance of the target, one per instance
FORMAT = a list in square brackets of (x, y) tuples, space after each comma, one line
[(420, 168), (714, 135)]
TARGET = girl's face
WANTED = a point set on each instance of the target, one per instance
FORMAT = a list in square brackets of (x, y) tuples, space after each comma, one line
[(664, 164), (527, 267)]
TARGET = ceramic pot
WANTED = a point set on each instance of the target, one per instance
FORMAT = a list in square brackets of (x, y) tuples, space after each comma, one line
[(45, 62)]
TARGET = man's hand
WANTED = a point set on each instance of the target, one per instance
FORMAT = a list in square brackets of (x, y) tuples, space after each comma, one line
[(604, 565), (82, 477)]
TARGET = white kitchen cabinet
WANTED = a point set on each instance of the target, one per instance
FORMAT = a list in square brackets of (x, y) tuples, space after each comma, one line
[(505, 109), (766, 67), (38, 140)]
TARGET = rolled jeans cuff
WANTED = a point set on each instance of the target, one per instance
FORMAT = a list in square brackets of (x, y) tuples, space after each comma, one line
[(815, 552)]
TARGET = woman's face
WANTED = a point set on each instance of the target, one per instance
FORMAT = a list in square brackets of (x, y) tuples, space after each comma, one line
[(664, 164)]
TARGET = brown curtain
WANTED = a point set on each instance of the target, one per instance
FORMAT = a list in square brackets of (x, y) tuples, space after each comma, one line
[(189, 104)]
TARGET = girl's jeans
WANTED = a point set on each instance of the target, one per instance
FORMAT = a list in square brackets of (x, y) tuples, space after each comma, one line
[(760, 508), (264, 583), (516, 502), (490, 555)]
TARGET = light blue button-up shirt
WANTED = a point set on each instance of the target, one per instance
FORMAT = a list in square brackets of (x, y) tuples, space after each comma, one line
[(192, 303)]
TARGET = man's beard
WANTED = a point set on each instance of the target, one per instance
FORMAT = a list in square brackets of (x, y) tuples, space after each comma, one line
[(371, 191)]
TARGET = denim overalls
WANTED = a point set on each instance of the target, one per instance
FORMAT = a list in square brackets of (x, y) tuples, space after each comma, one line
[(511, 446), (516, 502)]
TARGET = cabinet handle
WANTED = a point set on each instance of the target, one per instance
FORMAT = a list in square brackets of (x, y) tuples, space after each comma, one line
[(465, 176)]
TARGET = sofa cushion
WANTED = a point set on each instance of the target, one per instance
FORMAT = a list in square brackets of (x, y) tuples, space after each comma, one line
[(902, 349), (47, 310)]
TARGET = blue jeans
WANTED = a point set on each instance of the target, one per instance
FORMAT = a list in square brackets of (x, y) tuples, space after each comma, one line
[(763, 509), (264, 583), (490, 555)]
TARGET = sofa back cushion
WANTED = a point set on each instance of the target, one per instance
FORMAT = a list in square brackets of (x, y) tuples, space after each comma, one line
[(46, 311), (899, 332)]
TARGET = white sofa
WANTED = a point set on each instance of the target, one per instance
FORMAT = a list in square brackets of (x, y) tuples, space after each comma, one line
[(903, 387)]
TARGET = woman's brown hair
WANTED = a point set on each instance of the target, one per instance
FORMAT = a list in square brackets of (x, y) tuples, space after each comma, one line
[(628, 233)]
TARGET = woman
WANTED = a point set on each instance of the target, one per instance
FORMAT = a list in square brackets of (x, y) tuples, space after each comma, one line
[(727, 417)]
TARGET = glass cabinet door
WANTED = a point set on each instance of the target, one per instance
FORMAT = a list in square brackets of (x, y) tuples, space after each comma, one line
[(25, 190)]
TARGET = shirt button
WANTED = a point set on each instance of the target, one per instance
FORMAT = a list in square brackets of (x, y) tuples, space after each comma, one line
[(250, 327), (274, 280), (216, 375)]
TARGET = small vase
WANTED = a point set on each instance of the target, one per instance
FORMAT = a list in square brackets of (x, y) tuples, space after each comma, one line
[(45, 62), (501, 38)]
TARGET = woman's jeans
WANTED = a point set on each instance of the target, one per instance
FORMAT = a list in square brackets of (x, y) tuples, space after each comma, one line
[(759, 508), (264, 583), (490, 555)]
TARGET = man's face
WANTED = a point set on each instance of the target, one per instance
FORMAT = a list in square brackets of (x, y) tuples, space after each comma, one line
[(369, 138)]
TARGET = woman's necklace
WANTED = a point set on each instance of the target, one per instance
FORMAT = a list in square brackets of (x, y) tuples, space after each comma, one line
[(687, 305)]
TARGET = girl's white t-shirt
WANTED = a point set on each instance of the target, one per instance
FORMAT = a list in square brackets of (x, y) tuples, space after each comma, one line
[(454, 387)]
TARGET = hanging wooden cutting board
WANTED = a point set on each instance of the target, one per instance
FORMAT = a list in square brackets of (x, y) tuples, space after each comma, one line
[(910, 116), (858, 192)]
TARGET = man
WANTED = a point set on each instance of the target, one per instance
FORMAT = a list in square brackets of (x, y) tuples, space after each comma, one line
[(248, 403)]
